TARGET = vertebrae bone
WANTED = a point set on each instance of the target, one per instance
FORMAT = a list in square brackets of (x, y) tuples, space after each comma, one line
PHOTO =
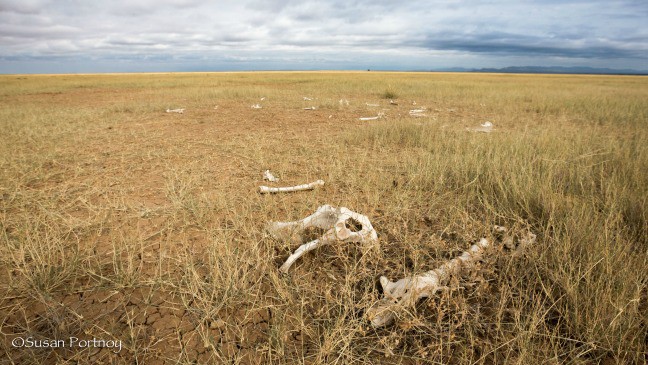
[(407, 291)]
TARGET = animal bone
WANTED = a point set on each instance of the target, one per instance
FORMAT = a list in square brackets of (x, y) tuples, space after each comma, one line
[(334, 220), (484, 128), (417, 112), (380, 115), (372, 104), (267, 175), (393, 102), (256, 106), (310, 108), (306, 98), (179, 111), (309, 186), (407, 291)]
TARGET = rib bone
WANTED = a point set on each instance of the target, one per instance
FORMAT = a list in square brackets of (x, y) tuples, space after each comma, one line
[(329, 218), (407, 291), (309, 186)]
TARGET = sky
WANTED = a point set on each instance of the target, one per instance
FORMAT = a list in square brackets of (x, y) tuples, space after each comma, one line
[(80, 36)]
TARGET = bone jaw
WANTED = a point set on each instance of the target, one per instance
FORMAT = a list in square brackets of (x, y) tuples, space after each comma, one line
[(407, 291), (309, 186), (329, 218)]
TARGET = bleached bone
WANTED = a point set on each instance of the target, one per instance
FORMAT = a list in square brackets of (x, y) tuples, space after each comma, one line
[(256, 106), (267, 175), (372, 104), (306, 98), (262, 98), (407, 291), (380, 115), (310, 108), (333, 220), (417, 111), (179, 111), (309, 186), (393, 102), (484, 128)]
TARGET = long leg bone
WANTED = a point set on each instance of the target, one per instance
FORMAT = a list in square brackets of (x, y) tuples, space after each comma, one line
[(329, 218), (407, 291), (309, 186)]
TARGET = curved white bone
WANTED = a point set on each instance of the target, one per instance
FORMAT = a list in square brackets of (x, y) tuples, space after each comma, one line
[(309, 186), (407, 291), (329, 218)]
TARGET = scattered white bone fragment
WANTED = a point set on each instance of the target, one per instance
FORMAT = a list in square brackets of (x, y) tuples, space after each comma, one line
[(417, 112), (333, 220), (484, 128), (267, 175), (368, 104), (330, 116), (216, 107), (263, 98), (344, 102), (407, 291), (256, 106), (379, 116), (287, 189), (413, 103), (393, 102), (179, 111), (310, 108), (306, 98)]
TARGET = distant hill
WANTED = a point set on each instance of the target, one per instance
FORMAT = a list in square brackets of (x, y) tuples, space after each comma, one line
[(561, 70)]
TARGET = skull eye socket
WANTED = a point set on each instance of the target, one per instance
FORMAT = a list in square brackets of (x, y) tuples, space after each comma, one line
[(353, 225)]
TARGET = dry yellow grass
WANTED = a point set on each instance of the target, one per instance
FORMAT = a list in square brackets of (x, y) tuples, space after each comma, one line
[(122, 222)]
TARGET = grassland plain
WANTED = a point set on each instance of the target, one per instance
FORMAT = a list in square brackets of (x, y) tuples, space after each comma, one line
[(119, 221)]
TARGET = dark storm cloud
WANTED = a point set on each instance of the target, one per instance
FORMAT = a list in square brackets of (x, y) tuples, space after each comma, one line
[(568, 46)]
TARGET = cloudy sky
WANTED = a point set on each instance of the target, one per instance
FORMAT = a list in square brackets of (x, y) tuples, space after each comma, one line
[(50, 36)]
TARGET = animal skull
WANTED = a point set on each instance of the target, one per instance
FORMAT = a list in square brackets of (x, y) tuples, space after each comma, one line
[(334, 221)]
